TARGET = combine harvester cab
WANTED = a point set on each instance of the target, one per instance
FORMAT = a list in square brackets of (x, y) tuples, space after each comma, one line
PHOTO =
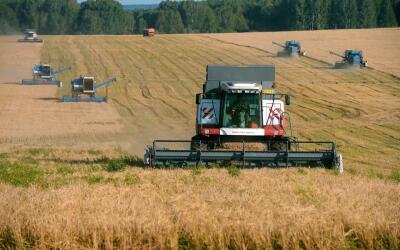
[(351, 59), (30, 36), (290, 49), (241, 120), (43, 74), (86, 85)]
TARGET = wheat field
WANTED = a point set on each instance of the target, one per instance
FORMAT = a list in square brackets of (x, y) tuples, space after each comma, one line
[(85, 189), (57, 200)]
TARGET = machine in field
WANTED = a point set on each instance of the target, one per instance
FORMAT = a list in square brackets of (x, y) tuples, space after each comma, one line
[(87, 86), (43, 74), (350, 59), (149, 32), (240, 107), (290, 49), (30, 36)]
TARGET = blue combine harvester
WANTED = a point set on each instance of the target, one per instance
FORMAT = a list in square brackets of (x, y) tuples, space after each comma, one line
[(350, 59), (43, 74), (290, 49), (86, 85)]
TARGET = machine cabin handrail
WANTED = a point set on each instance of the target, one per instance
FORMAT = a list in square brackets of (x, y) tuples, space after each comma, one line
[(106, 82)]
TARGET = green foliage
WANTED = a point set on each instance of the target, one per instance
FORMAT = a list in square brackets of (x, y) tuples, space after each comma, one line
[(372, 173), (94, 152), (93, 179), (352, 171), (65, 170), (367, 14), (8, 19), (197, 170), (38, 151), (306, 194), (386, 17), (3, 155), (21, 175), (395, 175), (233, 171), (58, 16), (185, 241), (131, 179), (115, 165), (101, 16), (109, 17)]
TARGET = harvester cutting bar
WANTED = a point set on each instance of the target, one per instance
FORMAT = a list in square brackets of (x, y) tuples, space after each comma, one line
[(84, 99), (157, 155), (41, 82), (278, 44), (30, 40)]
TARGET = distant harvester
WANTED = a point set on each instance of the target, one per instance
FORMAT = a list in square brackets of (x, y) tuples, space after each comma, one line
[(350, 59), (30, 36), (149, 32)]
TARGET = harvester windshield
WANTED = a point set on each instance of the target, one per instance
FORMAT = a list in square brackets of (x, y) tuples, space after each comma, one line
[(46, 70), (241, 110)]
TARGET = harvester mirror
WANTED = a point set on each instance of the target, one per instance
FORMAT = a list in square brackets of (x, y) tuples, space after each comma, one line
[(287, 99), (199, 97)]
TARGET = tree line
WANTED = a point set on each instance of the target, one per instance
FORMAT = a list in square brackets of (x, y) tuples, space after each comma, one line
[(109, 16)]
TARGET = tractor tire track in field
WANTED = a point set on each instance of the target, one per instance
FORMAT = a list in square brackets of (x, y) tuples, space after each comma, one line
[(144, 89)]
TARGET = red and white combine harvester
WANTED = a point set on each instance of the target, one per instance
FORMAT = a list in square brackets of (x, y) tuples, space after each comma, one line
[(238, 108)]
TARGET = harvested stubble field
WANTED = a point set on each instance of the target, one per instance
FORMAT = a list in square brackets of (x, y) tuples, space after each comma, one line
[(71, 197)]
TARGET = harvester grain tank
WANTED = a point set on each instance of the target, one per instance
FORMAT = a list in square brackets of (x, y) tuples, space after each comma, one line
[(84, 89), (239, 106), (149, 32), (350, 59), (43, 74), (290, 49), (30, 36)]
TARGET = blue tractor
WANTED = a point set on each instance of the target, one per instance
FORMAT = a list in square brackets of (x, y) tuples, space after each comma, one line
[(290, 49), (350, 58)]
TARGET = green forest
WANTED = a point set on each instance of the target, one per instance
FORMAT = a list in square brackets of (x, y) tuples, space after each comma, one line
[(109, 16)]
